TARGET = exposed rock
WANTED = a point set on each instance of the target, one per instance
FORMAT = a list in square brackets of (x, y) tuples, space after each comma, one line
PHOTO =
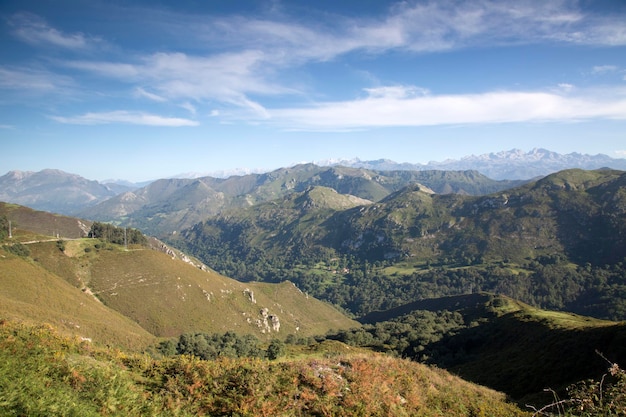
[(250, 294)]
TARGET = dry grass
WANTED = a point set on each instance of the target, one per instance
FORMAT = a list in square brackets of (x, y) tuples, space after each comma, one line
[(63, 376)]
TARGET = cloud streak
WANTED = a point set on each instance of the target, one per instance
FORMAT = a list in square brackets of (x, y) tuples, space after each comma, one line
[(34, 30), (400, 106), (125, 117), (32, 80)]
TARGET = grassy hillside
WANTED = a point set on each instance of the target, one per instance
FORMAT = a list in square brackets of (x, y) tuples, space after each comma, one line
[(534, 349), (26, 221), (30, 293), (168, 297), (46, 374)]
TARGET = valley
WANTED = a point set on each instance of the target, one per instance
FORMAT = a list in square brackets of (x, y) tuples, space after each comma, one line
[(331, 265)]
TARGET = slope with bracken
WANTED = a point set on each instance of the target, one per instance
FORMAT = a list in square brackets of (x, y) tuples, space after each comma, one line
[(46, 374)]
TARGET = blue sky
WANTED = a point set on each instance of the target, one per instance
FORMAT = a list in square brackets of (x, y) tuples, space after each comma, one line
[(140, 90)]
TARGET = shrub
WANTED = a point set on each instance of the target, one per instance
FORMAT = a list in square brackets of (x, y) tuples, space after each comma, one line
[(18, 249)]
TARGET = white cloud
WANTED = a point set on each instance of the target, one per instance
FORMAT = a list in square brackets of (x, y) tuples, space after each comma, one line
[(125, 117), (228, 78), (140, 92), (32, 80), (397, 92), (603, 69), (32, 29), (406, 109), (189, 107)]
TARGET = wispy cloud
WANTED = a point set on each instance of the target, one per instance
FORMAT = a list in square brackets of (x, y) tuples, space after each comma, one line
[(125, 117), (228, 78), (32, 29), (140, 92), (603, 69), (401, 106), (421, 27), (32, 80), (189, 107), (239, 60)]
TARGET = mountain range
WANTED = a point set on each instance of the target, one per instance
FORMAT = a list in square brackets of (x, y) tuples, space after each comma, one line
[(61, 192), (54, 190), (514, 164), (169, 205)]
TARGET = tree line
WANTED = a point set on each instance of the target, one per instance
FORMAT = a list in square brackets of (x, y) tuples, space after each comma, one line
[(117, 235), (211, 346)]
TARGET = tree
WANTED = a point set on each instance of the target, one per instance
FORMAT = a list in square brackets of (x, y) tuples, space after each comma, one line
[(4, 227), (275, 349)]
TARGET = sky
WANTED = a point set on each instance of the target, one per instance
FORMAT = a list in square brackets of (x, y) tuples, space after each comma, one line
[(140, 90)]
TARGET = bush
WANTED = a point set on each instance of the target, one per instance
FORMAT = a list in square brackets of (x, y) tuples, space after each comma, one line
[(18, 249), (275, 350)]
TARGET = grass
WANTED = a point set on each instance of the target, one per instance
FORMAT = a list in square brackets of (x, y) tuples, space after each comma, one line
[(46, 374), (44, 223), (169, 297), (32, 294)]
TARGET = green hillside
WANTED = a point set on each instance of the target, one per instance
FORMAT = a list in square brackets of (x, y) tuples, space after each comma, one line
[(33, 294), (44, 374), (556, 243)]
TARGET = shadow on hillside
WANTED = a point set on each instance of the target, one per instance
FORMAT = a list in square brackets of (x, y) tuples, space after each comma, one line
[(521, 356)]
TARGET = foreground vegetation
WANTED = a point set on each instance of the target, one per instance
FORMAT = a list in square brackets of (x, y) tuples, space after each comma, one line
[(44, 374)]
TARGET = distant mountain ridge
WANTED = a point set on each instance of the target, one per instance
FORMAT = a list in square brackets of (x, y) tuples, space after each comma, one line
[(514, 164), (70, 194), (53, 190), (169, 205)]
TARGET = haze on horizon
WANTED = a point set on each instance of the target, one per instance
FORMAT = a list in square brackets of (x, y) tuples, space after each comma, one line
[(139, 90)]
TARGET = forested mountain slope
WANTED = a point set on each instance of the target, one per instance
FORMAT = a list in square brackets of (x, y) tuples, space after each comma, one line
[(558, 242)]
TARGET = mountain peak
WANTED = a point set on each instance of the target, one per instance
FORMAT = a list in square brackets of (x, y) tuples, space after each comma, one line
[(514, 164)]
